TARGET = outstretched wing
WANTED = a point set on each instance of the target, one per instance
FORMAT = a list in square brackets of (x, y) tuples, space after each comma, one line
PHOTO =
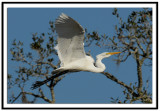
[(70, 39)]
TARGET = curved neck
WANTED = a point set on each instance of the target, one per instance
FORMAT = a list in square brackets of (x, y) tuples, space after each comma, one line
[(100, 67)]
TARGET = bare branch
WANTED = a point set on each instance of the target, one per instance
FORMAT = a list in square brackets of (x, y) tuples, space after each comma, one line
[(52, 94), (139, 71), (139, 45), (110, 76), (41, 92), (126, 57), (17, 97), (39, 96)]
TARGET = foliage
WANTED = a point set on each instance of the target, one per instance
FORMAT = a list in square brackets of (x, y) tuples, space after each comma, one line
[(38, 63), (133, 38)]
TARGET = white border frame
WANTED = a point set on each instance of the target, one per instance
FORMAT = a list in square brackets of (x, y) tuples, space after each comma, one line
[(76, 5)]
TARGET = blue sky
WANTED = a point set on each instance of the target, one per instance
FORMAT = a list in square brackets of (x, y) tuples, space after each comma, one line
[(80, 87)]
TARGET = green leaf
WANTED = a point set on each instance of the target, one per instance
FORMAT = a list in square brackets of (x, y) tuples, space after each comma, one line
[(134, 87), (130, 84)]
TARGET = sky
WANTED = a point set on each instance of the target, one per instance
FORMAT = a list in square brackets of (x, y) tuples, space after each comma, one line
[(80, 87)]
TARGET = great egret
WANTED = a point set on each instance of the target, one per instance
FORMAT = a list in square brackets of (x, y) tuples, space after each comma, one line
[(70, 49)]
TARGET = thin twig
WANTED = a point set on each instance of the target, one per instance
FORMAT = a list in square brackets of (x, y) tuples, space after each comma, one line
[(17, 97)]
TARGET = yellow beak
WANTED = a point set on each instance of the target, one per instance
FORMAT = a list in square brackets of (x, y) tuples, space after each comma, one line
[(112, 53)]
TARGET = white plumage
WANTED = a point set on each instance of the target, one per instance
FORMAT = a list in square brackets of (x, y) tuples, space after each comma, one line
[(71, 47), (71, 50)]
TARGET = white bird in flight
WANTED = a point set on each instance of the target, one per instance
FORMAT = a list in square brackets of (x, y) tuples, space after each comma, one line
[(70, 49)]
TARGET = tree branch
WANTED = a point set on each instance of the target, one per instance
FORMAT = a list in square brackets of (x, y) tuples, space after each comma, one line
[(52, 93), (41, 92), (139, 71), (110, 76), (17, 97), (40, 96), (139, 45)]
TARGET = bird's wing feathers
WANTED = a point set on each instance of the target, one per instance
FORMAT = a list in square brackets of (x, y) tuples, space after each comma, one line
[(70, 39)]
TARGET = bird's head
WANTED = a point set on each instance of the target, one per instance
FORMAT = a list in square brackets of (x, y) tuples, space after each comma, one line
[(106, 54)]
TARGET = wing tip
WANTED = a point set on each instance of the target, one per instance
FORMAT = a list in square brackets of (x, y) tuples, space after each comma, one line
[(63, 14), (62, 17)]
